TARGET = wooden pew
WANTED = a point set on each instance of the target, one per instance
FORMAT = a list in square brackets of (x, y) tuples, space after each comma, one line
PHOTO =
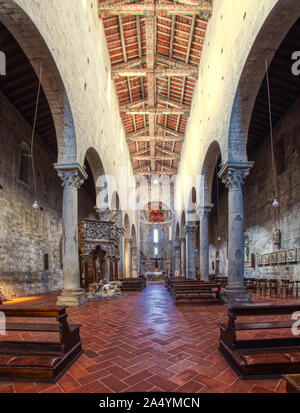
[(133, 284), (260, 357), (171, 280), (196, 292), (38, 361)]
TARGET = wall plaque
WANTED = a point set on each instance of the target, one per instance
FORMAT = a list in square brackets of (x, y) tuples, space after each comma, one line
[(292, 255), (281, 257), (273, 258), (266, 259), (259, 260)]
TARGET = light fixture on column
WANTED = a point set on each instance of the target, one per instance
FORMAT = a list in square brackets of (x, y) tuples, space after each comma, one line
[(35, 205), (275, 203)]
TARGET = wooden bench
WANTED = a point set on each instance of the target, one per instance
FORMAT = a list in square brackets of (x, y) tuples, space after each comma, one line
[(133, 284), (292, 383), (260, 357), (170, 280), (38, 361), (196, 292)]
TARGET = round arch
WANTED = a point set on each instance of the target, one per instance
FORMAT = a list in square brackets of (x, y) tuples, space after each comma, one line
[(278, 23), (207, 174), (22, 28)]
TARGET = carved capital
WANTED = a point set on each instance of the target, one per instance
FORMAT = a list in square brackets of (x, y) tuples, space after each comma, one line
[(204, 211), (233, 175), (190, 228), (72, 175)]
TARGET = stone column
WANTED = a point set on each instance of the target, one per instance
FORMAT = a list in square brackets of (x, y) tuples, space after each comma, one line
[(233, 176), (72, 178), (121, 267), (204, 242), (134, 261), (177, 267), (190, 231), (183, 257), (128, 260)]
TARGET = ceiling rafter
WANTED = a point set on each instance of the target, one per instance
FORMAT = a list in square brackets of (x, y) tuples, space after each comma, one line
[(155, 49)]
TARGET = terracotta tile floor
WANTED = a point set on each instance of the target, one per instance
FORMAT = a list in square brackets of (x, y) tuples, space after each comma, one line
[(144, 343)]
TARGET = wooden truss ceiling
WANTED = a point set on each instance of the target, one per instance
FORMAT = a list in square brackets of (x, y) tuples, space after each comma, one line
[(155, 49)]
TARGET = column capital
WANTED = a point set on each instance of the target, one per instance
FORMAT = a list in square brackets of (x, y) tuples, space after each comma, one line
[(190, 228), (233, 174), (177, 246), (204, 211), (72, 175)]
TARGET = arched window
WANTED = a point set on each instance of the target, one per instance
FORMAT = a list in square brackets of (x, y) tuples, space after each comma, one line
[(155, 236), (24, 163)]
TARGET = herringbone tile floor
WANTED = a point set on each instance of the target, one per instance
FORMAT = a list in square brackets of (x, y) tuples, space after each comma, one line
[(144, 343)]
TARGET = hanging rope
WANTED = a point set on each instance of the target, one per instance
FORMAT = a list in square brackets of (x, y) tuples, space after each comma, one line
[(33, 130), (272, 139)]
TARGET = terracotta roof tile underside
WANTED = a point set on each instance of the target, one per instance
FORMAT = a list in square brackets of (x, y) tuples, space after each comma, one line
[(155, 50)]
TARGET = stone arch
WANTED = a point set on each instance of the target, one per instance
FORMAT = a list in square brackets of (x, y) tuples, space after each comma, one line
[(20, 25), (207, 174), (282, 17), (177, 233), (101, 188), (127, 225), (133, 233)]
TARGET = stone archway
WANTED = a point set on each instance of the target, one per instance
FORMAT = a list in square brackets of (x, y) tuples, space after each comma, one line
[(33, 45), (210, 166)]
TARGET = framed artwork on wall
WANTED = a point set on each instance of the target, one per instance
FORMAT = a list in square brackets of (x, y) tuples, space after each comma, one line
[(298, 254), (281, 257)]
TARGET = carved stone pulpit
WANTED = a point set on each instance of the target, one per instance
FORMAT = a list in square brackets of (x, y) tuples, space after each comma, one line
[(95, 233)]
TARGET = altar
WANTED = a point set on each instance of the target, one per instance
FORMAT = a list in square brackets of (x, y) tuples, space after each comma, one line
[(154, 276)]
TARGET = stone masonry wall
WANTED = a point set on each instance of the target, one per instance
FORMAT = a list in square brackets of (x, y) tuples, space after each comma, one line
[(26, 235), (258, 200)]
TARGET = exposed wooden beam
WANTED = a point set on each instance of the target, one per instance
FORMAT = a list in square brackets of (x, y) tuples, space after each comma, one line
[(139, 153), (154, 158), (167, 168), (137, 133), (151, 80), (106, 9), (170, 131), (161, 99), (158, 173), (144, 138), (192, 72), (167, 152), (153, 112)]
